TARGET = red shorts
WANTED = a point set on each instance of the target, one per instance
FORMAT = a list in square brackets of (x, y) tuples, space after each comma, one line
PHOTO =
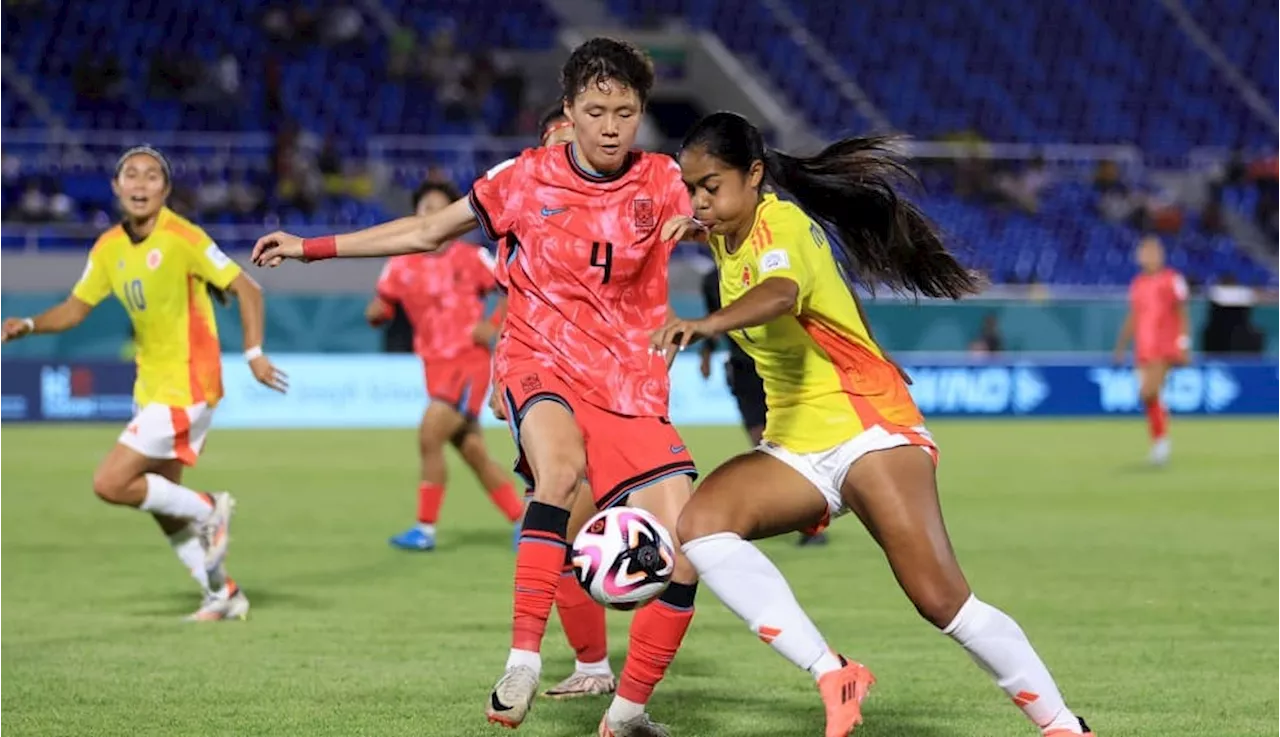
[(463, 385), (624, 454)]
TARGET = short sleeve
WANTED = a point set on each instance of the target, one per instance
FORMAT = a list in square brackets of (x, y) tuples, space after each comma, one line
[(209, 263), (491, 198), (781, 252), (94, 284), (388, 287)]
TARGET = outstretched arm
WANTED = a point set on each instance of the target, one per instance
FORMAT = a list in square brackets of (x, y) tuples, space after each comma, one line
[(413, 234), (63, 316)]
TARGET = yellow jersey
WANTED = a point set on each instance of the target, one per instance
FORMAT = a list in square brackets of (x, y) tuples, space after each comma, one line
[(825, 379), (161, 281)]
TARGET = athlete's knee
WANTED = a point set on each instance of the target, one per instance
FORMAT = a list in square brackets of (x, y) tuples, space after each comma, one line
[(431, 438), (939, 601), (556, 478), (110, 486), (700, 519), (1148, 393)]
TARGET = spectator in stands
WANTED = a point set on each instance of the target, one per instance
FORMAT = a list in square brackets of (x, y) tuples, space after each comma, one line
[(33, 205), (226, 77), (340, 23), (98, 77), (1265, 173), (245, 198), (330, 164), (9, 169), (1023, 188), (402, 44)]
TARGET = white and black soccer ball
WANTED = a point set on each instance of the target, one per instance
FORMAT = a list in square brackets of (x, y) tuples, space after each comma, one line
[(624, 558)]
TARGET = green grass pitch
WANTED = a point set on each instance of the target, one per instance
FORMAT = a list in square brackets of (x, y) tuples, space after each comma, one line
[(1152, 594)]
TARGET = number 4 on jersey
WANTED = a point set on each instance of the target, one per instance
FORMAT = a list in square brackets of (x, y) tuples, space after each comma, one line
[(602, 257)]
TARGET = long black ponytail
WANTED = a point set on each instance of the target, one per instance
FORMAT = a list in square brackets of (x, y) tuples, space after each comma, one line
[(851, 186)]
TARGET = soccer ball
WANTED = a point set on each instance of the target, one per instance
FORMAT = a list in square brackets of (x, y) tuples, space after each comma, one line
[(624, 558)]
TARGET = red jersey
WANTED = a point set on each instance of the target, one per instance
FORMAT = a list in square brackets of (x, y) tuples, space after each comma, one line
[(586, 271), (443, 295), (1156, 300)]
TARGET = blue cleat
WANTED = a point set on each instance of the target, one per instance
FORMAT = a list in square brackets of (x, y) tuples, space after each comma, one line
[(414, 538)]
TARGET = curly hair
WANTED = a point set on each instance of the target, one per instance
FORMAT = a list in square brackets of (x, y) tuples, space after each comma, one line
[(602, 59)]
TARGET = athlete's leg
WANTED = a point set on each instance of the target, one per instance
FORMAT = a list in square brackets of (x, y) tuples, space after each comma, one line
[(894, 492), (552, 446), (128, 478), (756, 496), (440, 421), (583, 621), (179, 532), (469, 441), (1151, 380), (657, 629)]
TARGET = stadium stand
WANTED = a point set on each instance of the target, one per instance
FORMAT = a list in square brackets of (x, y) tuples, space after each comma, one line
[(285, 76)]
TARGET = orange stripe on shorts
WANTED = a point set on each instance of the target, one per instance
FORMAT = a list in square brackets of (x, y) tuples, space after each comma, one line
[(182, 436)]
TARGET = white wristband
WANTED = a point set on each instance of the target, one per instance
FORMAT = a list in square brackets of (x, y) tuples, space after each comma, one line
[(252, 353), (31, 324)]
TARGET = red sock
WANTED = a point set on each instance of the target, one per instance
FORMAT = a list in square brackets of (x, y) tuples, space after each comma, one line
[(1157, 419), (507, 501), (582, 619), (656, 634), (539, 560), (430, 497)]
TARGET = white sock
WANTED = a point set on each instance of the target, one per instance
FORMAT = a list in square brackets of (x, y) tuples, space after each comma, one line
[(998, 645), (186, 544), (601, 668), (524, 657), (427, 528), (170, 499), (620, 710), (754, 589)]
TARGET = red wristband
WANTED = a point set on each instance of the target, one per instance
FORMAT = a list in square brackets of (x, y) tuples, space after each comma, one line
[(319, 249)]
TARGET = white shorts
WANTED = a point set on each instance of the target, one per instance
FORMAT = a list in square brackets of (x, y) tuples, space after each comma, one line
[(162, 432), (826, 469)]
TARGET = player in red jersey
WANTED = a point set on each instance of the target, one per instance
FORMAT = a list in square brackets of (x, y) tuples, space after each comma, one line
[(584, 394), (581, 617), (1157, 324), (443, 293)]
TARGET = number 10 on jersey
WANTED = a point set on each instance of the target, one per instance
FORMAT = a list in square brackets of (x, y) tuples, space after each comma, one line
[(602, 258), (134, 299)]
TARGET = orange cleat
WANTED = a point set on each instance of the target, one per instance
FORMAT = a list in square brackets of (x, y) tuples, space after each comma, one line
[(842, 692)]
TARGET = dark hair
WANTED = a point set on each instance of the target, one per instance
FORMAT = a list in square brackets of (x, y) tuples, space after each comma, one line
[(551, 116), (603, 59), (149, 151), (850, 186), (445, 188)]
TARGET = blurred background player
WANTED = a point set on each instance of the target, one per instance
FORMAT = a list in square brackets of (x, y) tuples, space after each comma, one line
[(744, 383), (582, 619), (843, 432), (585, 395), (161, 268), (1157, 324), (443, 293)]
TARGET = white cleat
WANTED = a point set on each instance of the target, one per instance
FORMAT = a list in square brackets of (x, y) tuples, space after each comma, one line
[(1160, 451), (227, 603), (512, 697), (215, 531), (580, 684), (637, 726)]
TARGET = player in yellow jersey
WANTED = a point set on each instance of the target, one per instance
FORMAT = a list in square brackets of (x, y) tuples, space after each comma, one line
[(161, 268), (842, 432)]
